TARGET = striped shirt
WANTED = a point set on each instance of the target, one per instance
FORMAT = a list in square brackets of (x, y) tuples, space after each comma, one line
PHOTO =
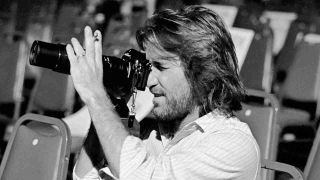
[(212, 147)]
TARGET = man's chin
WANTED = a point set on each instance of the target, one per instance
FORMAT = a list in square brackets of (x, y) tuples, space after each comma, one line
[(157, 111)]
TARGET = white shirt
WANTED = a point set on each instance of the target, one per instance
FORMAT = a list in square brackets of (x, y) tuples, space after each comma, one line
[(212, 147)]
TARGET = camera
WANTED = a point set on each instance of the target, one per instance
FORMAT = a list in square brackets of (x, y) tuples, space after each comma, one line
[(120, 75)]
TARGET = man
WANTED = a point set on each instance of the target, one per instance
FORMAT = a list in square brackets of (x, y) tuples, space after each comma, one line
[(196, 88)]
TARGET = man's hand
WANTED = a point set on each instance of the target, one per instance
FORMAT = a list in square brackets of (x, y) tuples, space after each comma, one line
[(86, 65)]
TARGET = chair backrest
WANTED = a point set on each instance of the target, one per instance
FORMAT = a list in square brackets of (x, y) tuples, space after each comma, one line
[(312, 167), (302, 83), (256, 71), (248, 16), (280, 22), (53, 92), (262, 119), (39, 148), (303, 78), (297, 29)]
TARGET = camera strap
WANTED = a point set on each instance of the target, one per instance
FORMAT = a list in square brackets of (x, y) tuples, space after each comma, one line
[(132, 112)]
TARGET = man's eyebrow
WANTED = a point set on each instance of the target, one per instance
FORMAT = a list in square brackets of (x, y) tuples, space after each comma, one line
[(165, 63), (164, 58)]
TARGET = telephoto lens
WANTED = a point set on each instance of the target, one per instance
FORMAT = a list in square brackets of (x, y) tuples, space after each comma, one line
[(51, 56), (120, 75)]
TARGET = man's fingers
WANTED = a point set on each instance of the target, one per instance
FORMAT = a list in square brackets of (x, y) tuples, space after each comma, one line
[(79, 51), (89, 43), (98, 47), (71, 55)]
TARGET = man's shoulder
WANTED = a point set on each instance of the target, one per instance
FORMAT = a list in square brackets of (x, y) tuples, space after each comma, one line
[(213, 123)]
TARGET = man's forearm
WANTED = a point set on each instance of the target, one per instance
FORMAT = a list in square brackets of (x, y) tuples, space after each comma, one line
[(110, 130)]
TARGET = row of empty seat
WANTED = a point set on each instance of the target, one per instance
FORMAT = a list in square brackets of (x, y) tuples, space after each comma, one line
[(292, 76), (290, 71)]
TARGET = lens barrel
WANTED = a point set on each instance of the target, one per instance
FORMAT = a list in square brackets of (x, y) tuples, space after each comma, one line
[(119, 75), (48, 55)]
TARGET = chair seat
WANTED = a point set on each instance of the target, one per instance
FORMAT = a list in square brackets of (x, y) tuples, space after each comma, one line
[(292, 116)]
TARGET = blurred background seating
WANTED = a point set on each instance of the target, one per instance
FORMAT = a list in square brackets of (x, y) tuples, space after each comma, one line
[(52, 95), (260, 112), (282, 59)]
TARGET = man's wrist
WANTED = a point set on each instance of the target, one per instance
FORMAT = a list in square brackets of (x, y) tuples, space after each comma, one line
[(97, 99)]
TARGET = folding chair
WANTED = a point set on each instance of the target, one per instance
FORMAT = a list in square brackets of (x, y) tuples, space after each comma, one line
[(280, 22), (53, 95), (298, 28), (299, 94), (256, 71), (39, 148), (261, 116), (248, 16)]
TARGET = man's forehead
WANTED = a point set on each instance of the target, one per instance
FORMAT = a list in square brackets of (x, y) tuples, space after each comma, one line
[(156, 54)]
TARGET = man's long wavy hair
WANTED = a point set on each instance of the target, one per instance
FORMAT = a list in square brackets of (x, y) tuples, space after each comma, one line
[(200, 39)]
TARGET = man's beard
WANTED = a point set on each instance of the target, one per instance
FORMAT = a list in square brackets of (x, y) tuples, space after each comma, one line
[(173, 112)]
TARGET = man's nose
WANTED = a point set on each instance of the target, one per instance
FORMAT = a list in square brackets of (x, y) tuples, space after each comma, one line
[(152, 80)]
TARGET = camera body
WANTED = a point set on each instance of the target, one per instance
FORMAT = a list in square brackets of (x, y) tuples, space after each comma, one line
[(120, 75)]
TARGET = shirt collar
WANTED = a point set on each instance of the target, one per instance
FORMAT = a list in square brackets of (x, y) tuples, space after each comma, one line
[(206, 121), (200, 124)]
